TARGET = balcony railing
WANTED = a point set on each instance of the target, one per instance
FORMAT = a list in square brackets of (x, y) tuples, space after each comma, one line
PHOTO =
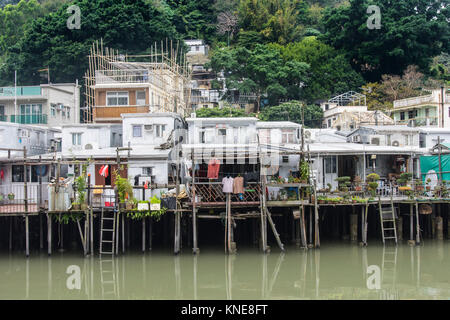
[(212, 193), (20, 91), (413, 101), (29, 119), (116, 111), (420, 121)]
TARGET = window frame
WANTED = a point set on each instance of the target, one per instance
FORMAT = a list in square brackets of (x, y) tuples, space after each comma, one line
[(117, 95), (133, 133)]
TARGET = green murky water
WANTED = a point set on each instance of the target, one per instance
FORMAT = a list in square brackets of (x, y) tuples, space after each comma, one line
[(336, 271)]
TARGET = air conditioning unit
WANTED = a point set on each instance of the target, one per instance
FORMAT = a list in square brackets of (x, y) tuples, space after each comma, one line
[(356, 139), (395, 143), (148, 127)]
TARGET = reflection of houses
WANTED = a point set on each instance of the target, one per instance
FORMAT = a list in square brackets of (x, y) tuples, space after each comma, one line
[(118, 84), (348, 111), (428, 110), (46, 104)]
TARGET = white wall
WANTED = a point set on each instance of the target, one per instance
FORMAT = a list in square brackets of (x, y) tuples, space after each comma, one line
[(96, 135)]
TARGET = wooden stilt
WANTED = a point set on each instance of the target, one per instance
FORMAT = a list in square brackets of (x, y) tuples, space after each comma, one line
[(10, 232), (49, 234), (150, 234), (27, 237), (302, 227), (411, 224), (417, 224), (439, 228), (310, 220), (316, 222), (354, 225), (91, 229), (400, 227), (143, 234), (123, 233)]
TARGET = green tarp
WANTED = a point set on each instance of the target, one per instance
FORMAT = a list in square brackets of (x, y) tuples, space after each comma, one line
[(428, 163)]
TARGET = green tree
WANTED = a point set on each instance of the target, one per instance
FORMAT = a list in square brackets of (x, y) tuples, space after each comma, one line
[(292, 111), (275, 20), (330, 72), (261, 71), (217, 112), (130, 26), (411, 33)]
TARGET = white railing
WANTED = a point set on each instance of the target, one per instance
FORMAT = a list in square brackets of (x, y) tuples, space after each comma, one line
[(413, 101)]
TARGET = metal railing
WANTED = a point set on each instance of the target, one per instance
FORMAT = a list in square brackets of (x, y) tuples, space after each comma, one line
[(211, 192), (29, 119), (12, 199), (414, 101)]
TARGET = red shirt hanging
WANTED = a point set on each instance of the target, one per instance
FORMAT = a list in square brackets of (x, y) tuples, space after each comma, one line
[(213, 169)]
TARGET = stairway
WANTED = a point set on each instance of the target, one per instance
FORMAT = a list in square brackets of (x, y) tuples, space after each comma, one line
[(388, 214), (107, 232)]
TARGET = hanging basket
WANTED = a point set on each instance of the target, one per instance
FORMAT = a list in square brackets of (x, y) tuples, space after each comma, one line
[(425, 209)]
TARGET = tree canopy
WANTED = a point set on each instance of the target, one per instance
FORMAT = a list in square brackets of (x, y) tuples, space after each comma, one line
[(412, 32), (292, 111), (261, 71)]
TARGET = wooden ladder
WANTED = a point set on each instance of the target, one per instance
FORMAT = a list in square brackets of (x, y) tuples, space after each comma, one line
[(107, 232), (108, 278), (389, 266), (387, 220)]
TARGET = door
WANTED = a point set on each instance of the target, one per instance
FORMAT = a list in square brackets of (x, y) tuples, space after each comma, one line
[(109, 180), (330, 171)]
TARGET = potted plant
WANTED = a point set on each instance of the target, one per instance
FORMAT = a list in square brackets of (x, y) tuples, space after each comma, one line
[(11, 196), (357, 181), (418, 185), (372, 184), (304, 171), (405, 177), (428, 187), (124, 189), (343, 183), (76, 206), (80, 186), (321, 199), (329, 186)]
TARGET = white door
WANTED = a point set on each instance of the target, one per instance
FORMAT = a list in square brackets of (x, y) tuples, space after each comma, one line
[(330, 171)]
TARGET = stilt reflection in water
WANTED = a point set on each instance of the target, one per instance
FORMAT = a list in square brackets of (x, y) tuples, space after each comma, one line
[(405, 272)]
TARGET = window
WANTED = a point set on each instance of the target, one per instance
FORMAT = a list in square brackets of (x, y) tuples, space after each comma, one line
[(137, 131), (2, 110), (53, 111), (388, 139), (402, 116), (370, 163), (140, 98), (197, 48), (327, 106), (159, 129), (285, 159), (222, 132), (68, 113), (287, 136), (30, 114), (406, 140), (17, 173), (427, 112), (147, 171), (412, 114), (329, 123), (76, 139), (119, 98)]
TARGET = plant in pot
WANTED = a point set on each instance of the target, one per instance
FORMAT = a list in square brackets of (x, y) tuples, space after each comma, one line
[(357, 181), (343, 183), (329, 186), (80, 185), (372, 184), (427, 184), (11, 196), (405, 177), (321, 199), (304, 171), (125, 191)]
